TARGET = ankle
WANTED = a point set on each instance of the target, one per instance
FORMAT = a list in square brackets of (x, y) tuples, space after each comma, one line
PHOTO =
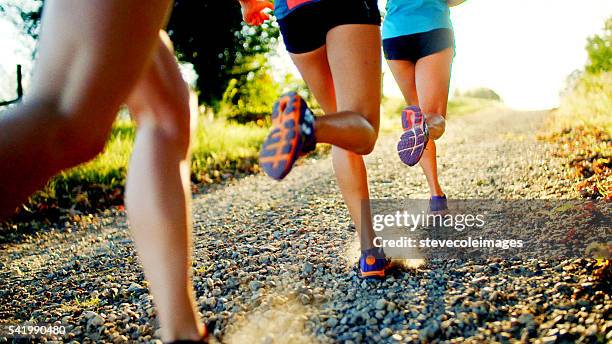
[(181, 323), (437, 194), (186, 334), (309, 131), (377, 252), (367, 245)]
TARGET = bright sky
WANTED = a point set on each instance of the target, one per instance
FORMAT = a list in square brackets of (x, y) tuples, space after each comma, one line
[(523, 49)]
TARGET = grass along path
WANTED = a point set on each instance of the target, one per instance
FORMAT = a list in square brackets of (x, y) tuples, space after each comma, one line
[(582, 131)]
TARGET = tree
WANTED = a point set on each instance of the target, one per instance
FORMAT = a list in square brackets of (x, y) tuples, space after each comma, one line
[(210, 35), (25, 15), (599, 48), (250, 96)]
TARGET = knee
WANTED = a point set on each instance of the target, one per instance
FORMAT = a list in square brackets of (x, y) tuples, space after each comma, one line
[(177, 131), (369, 138), (172, 124), (169, 118), (368, 144), (180, 121), (435, 115), (74, 138)]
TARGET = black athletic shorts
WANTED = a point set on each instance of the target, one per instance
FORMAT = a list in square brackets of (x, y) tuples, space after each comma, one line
[(416, 46), (305, 29)]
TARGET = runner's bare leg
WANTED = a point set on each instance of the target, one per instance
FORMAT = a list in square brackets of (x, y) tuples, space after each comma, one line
[(158, 192), (90, 55), (353, 89)]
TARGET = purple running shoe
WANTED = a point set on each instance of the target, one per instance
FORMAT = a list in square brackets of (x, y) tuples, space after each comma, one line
[(438, 204), (414, 139)]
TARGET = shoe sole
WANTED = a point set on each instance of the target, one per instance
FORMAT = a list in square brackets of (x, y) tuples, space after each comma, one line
[(283, 144), (372, 274), (413, 141)]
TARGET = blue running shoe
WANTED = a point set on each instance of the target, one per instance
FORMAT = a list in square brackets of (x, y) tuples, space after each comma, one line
[(373, 263), (438, 204), (414, 139), (292, 135)]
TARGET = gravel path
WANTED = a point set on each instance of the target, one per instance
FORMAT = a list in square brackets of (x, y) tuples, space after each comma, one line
[(275, 262)]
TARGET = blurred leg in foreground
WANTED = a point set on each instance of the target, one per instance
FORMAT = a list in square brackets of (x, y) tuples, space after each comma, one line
[(158, 191), (92, 56)]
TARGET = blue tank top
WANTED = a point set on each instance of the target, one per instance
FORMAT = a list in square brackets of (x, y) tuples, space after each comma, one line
[(407, 17), (283, 7)]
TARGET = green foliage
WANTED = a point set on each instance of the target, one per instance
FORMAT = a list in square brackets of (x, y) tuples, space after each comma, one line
[(582, 128), (589, 102), (224, 149), (599, 48), (294, 84), (94, 185), (482, 93), (251, 96), (211, 36), (588, 99)]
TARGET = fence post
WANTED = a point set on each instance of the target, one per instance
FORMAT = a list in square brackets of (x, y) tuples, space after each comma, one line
[(19, 89), (19, 86)]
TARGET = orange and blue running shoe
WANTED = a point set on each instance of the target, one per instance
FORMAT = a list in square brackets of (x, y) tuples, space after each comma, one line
[(373, 263), (414, 139), (292, 135)]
